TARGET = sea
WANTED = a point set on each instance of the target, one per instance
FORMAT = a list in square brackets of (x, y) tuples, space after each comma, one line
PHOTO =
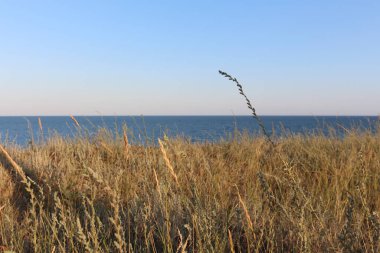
[(146, 129)]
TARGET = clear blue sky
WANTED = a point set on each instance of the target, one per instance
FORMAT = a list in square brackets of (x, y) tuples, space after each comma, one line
[(314, 57)]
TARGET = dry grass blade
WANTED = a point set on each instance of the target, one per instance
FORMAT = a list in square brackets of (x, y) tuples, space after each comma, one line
[(157, 183), (15, 166), (126, 143), (75, 121), (231, 241), (247, 216), (108, 149), (98, 179), (40, 124), (167, 161)]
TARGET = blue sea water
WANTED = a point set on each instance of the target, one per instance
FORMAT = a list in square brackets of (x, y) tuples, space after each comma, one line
[(21, 130)]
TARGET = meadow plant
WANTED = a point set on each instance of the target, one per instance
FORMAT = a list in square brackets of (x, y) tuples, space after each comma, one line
[(314, 194)]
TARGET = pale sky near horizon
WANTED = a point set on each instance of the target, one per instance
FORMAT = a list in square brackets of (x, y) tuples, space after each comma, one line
[(162, 57)]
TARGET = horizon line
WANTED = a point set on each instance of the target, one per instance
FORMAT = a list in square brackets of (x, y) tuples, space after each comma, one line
[(197, 115)]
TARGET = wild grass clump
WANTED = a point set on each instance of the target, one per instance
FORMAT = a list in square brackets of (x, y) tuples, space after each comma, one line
[(101, 194)]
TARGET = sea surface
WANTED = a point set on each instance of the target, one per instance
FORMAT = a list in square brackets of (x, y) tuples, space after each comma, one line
[(146, 129)]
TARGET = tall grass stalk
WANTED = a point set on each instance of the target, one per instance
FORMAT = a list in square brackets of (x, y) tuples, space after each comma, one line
[(253, 110)]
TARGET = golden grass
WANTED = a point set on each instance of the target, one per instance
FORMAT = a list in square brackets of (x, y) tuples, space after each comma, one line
[(167, 161), (307, 194), (75, 121), (40, 124)]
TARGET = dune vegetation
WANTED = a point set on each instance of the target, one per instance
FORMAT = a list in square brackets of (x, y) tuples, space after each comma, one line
[(308, 193)]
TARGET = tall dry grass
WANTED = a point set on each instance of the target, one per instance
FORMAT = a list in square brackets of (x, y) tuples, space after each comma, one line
[(101, 194)]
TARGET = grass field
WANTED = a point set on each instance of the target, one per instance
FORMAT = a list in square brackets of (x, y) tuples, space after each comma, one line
[(304, 194)]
